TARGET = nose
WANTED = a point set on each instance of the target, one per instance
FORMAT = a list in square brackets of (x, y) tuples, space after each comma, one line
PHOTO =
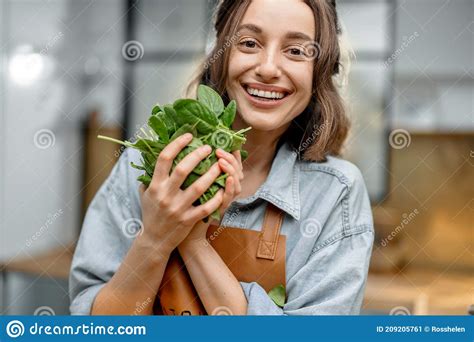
[(268, 67)]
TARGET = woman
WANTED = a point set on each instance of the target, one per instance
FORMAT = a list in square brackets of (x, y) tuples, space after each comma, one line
[(279, 68)]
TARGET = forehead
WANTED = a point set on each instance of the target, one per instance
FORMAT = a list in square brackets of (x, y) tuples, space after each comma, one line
[(281, 16)]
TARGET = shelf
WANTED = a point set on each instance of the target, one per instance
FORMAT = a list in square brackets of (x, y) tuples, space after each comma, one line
[(55, 263), (421, 292)]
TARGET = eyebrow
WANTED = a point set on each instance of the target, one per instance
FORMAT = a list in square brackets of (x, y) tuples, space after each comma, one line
[(289, 35)]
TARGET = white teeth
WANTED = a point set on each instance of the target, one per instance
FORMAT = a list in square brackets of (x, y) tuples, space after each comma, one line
[(265, 94)]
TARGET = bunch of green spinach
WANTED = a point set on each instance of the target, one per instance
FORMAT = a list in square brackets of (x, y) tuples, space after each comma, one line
[(207, 119)]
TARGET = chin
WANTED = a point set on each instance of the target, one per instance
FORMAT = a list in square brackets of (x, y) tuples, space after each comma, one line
[(260, 121)]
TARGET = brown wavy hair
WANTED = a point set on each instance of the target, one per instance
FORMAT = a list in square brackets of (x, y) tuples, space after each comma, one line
[(322, 128)]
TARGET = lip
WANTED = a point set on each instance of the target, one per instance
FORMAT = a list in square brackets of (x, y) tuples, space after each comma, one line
[(265, 87), (263, 103)]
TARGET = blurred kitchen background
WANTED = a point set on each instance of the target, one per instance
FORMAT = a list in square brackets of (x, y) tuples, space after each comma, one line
[(73, 69)]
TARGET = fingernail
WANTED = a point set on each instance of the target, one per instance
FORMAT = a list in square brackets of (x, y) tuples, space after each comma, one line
[(207, 148)]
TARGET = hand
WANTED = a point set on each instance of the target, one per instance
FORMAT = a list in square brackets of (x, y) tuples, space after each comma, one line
[(231, 163), (168, 213)]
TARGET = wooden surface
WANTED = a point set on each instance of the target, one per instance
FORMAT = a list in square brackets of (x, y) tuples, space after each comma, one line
[(434, 175), (55, 263), (421, 292), (418, 292)]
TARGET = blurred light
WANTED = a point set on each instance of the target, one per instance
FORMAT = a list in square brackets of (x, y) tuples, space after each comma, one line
[(26, 66)]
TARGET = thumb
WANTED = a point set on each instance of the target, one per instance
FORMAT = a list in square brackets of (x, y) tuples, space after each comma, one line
[(141, 190)]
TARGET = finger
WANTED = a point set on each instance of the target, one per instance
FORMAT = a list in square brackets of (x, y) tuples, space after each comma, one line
[(232, 160), (141, 190), (228, 194), (238, 156), (203, 183), (166, 157), (185, 166), (230, 170), (206, 209)]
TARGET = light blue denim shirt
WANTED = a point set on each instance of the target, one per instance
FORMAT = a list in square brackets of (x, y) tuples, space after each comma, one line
[(328, 225)]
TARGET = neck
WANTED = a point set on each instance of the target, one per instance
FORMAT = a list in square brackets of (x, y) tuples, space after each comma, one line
[(260, 145)]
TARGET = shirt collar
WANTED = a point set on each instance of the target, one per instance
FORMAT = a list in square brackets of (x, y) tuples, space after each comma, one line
[(281, 188)]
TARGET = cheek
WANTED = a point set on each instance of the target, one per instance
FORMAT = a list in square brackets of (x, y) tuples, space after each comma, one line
[(303, 78)]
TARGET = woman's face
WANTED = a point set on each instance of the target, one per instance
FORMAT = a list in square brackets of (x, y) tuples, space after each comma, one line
[(271, 65)]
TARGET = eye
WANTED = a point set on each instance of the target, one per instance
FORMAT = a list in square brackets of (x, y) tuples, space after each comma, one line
[(297, 52), (248, 43)]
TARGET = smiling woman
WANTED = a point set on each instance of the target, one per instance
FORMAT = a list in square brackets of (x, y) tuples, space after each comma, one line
[(295, 214), (290, 48)]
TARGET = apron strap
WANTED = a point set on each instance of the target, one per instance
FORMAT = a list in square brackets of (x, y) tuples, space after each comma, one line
[(268, 241)]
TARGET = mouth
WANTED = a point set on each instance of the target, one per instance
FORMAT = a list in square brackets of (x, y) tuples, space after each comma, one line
[(265, 97)]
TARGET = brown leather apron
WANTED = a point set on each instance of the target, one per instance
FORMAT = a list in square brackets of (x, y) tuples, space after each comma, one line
[(252, 256)]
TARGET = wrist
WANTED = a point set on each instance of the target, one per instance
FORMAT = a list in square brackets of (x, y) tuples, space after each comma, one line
[(150, 247), (192, 246)]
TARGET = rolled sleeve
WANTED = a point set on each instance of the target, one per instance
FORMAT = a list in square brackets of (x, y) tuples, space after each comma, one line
[(104, 239), (258, 301), (332, 282), (82, 302)]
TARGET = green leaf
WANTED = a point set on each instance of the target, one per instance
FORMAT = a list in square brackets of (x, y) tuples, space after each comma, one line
[(168, 121), (222, 139), (210, 98), (192, 177), (209, 123), (156, 109), (138, 167), (237, 142), (221, 180), (216, 215), (149, 161), (195, 113), (147, 145), (145, 179), (278, 295), (229, 114), (159, 127), (186, 128)]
